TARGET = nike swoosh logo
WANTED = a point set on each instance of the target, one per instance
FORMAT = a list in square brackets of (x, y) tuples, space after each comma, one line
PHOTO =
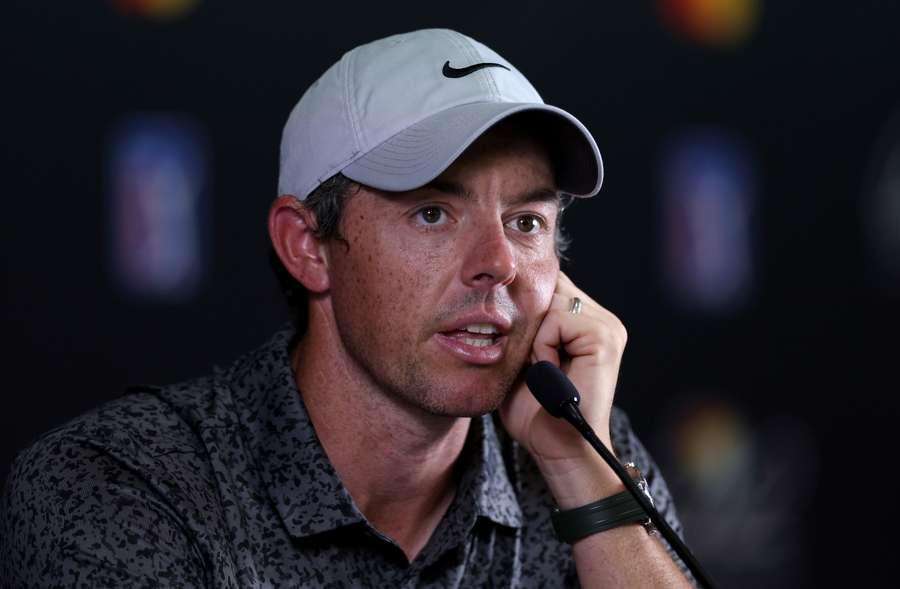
[(452, 72)]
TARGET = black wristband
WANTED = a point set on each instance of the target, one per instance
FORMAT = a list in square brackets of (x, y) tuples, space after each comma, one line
[(605, 514)]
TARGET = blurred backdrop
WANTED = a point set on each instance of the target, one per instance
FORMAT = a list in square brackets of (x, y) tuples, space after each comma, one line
[(748, 231)]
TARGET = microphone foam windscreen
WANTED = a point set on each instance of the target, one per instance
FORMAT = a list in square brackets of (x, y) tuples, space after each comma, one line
[(551, 387)]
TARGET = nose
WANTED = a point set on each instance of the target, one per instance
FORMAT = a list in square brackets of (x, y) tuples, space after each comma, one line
[(490, 259)]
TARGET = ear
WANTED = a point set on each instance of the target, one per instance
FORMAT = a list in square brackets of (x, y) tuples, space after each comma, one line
[(292, 231)]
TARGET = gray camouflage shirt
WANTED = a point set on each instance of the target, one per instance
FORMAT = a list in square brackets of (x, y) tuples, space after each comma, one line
[(222, 482)]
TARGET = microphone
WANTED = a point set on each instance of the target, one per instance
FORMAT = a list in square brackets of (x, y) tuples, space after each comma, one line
[(553, 389), (559, 397)]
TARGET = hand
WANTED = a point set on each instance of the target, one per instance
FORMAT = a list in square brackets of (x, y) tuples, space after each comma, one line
[(592, 343)]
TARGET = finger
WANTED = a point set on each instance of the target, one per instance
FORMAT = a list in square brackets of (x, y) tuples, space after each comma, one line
[(549, 337), (545, 344), (564, 282), (566, 291), (563, 300), (558, 329), (595, 331)]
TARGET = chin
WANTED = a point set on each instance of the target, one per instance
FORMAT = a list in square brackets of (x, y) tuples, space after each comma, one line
[(468, 401), (460, 410)]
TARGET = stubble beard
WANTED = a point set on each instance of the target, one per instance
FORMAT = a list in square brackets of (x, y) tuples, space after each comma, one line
[(443, 400), (430, 389), (427, 384)]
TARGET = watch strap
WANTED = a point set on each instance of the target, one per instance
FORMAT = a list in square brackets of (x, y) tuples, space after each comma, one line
[(611, 512)]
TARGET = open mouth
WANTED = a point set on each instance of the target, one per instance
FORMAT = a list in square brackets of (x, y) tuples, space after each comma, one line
[(479, 335), (480, 340)]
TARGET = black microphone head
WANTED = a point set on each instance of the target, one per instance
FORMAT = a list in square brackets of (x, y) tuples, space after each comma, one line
[(551, 387)]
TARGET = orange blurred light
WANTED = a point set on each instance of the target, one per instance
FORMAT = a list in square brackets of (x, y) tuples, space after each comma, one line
[(711, 22), (155, 9), (711, 441)]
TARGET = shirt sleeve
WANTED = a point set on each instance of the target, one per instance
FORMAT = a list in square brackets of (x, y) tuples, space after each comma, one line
[(72, 515)]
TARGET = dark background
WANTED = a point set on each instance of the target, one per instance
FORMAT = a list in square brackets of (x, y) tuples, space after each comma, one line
[(805, 368)]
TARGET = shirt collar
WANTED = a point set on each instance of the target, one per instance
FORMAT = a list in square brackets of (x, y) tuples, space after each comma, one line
[(485, 482), (300, 479), (301, 482)]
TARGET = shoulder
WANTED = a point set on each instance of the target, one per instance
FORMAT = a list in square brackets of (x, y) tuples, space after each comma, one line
[(143, 426), (154, 432), (106, 486)]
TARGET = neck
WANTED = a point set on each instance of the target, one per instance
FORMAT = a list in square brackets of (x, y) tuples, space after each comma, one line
[(396, 460)]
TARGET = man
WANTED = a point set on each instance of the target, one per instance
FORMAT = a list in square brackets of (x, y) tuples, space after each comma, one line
[(421, 185)]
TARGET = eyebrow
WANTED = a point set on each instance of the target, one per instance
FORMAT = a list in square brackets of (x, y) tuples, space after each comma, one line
[(457, 189)]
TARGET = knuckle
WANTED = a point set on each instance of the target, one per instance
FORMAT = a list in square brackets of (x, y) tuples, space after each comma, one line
[(615, 329), (612, 335)]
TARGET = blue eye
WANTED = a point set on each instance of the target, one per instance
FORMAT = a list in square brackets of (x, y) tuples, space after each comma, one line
[(431, 215)]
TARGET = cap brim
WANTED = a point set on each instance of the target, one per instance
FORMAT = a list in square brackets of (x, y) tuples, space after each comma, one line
[(420, 153)]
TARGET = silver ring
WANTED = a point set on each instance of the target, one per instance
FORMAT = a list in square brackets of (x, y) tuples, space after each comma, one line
[(575, 309)]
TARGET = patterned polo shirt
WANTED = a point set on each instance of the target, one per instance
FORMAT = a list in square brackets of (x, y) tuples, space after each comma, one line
[(222, 482)]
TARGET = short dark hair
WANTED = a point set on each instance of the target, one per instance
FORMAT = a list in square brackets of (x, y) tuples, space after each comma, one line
[(327, 206)]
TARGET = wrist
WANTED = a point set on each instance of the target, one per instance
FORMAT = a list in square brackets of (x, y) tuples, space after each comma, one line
[(578, 481), (572, 524)]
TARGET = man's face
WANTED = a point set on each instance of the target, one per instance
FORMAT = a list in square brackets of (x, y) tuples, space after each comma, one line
[(437, 293)]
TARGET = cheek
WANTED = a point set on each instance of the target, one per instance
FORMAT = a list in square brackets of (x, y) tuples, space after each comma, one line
[(354, 276), (376, 281), (540, 281), (422, 266)]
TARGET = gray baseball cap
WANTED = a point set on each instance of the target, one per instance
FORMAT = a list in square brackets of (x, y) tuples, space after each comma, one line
[(395, 113)]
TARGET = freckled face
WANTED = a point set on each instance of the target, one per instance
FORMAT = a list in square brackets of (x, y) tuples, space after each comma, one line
[(437, 293)]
